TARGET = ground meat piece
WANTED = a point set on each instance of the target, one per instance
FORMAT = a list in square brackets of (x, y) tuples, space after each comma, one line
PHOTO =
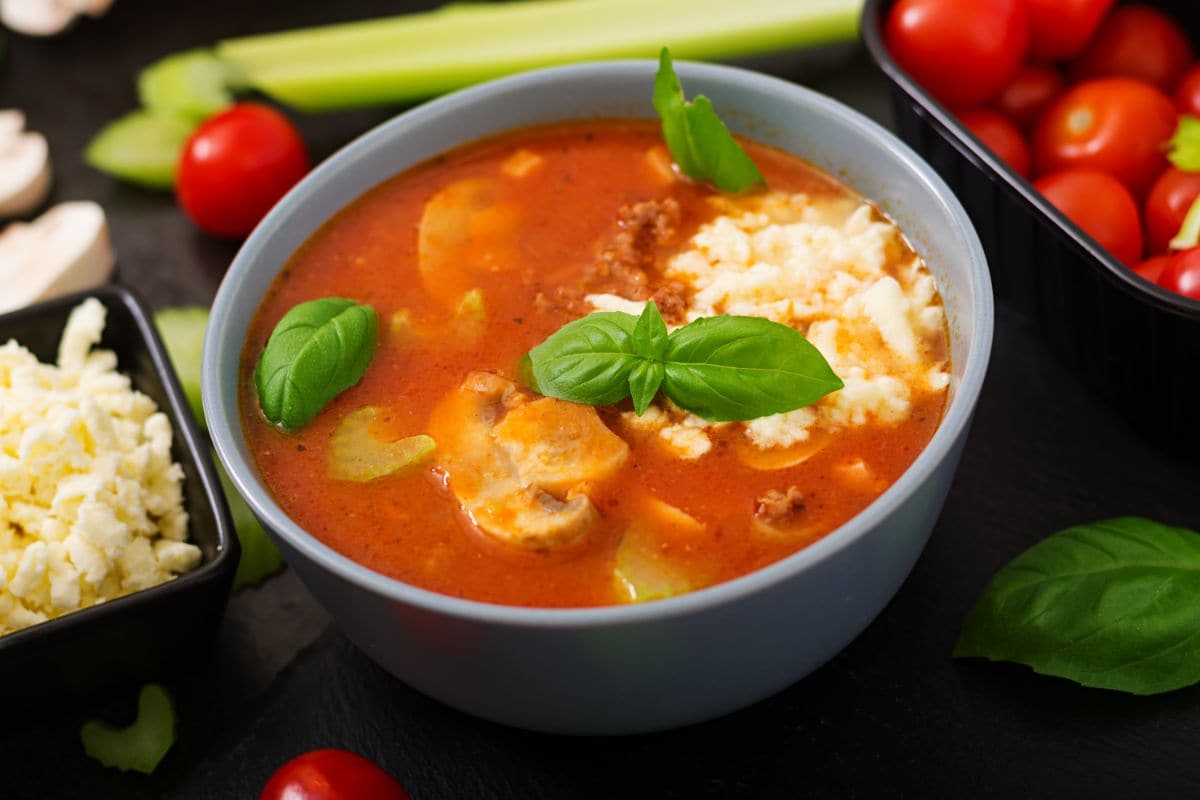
[(671, 299), (624, 262), (776, 507)]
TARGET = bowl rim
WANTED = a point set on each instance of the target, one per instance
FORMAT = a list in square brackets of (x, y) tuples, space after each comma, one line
[(949, 432), (186, 432), (1114, 271)]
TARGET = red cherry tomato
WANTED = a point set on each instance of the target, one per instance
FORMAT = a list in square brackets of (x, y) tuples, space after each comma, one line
[(331, 775), (960, 51), (1167, 204), (1152, 267), (1028, 94), (1187, 92), (1060, 28), (1101, 205), (1182, 273), (1000, 136), (236, 166), (1117, 125), (1138, 42)]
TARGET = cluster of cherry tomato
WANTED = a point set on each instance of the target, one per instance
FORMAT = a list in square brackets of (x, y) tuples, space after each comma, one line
[(1078, 96)]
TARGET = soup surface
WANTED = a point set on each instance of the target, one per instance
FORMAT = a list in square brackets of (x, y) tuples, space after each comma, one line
[(475, 257)]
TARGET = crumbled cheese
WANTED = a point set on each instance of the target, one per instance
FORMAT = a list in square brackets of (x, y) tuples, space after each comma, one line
[(828, 267), (91, 506)]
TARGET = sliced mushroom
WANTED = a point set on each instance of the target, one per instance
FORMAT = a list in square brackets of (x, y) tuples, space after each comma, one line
[(24, 166), (465, 229), (64, 250), (517, 478), (773, 458), (47, 17)]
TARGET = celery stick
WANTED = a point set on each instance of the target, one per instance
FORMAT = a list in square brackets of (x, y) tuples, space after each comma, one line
[(141, 147), (194, 83), (399, 59)]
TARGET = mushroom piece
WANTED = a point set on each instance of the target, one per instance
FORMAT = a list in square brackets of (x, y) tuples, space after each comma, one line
[(24, 166), (520, 468), (47, 17), (64, 250), (465, 229)]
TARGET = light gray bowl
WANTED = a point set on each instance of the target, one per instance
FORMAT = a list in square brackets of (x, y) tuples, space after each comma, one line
[(624, 669)]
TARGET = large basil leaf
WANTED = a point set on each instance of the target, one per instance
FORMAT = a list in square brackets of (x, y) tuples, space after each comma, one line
[(730, 368), (587, 361), (698, 140), (318, 350), (1114, 604)]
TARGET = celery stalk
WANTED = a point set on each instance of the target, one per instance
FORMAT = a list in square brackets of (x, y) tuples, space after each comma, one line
[(398, 59)]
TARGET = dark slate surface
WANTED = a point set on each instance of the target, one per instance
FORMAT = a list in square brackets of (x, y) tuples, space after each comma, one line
[(890, 716)]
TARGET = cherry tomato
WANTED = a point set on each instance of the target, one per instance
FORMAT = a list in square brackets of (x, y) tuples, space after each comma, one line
[(960, 51), (1152, 267), (1028, 94), (1060, 28), (331, 775), (1138, 42), (1187, 92), (1182, 273), (236, 166), (1167, 204), (1101, 205), (1000, 136), (1117, 125)]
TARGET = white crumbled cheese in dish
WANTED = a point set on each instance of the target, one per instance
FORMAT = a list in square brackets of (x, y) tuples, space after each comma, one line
[(837, 271), (91, 505)]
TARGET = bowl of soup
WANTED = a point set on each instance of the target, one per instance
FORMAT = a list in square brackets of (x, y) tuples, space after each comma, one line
[(589, 569)]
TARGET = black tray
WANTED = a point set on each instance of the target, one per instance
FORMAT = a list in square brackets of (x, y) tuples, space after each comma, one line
[(1136, 344)]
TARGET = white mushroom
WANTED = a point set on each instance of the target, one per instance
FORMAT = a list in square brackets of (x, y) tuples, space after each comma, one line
[(47, 17), (67, 249), (24, 166)]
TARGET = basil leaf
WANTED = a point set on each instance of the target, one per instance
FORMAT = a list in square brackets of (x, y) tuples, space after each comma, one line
[(730, 368), (650, 333), (318, 350), (644, 381), (1114, 605), (1185, 144), (587, 361), (699, 142)]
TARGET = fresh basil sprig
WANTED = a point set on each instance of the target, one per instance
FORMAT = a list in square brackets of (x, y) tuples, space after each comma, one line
[(699, 142), (317, 351), (1110, 605), (722, 368)]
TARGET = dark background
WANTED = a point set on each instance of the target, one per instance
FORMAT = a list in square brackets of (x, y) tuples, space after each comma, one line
[(892, 715)]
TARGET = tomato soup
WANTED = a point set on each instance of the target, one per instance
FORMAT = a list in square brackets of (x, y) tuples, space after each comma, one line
[(477, 256)]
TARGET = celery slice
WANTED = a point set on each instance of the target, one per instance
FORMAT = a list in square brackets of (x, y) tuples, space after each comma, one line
[(470, 317), (141, 745), (355, 454), (141, 147), (182, 331), (642, 571), (194, 83), (398, 59), (260, 558)]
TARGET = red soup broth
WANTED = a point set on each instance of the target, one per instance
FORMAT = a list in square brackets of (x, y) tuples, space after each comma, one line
[(556, 220)]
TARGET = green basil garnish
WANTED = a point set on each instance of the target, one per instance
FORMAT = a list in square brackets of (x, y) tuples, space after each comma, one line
[(698, 140), (722, 368), (1110, 605), (317, 351)]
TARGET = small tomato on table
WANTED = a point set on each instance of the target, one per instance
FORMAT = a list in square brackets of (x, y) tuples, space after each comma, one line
[(332, 774)]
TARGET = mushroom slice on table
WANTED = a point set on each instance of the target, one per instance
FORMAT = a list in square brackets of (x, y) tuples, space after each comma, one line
[(67, 249), (24, 166), (47, 17)]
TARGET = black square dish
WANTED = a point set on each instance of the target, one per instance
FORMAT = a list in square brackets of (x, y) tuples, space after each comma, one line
[(1136, 344), (141, 635)]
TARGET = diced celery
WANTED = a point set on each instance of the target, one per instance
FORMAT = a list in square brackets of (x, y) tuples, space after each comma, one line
[(260, 558), (470, 317), (182, 331), (194, 83), (355, 454), (141, 147), (141, 745), (398, 59)]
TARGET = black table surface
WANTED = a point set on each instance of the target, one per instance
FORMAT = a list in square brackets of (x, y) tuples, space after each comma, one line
[(892, 715)]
